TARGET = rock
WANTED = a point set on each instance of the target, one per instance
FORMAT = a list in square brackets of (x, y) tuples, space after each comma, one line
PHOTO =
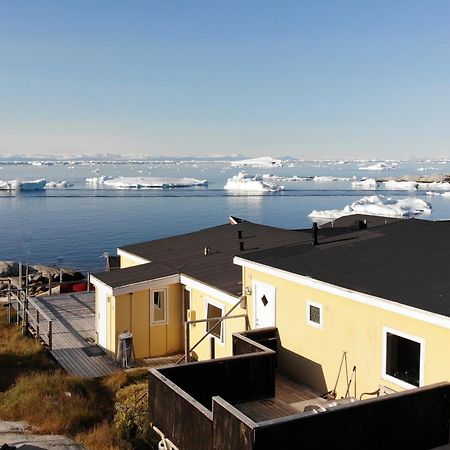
[(9, 269)]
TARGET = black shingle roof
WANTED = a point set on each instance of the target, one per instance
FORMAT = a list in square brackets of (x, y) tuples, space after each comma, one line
[(406, 261), (185, 254)]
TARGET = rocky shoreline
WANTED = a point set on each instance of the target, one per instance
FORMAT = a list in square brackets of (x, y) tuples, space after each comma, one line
[(42, 280)]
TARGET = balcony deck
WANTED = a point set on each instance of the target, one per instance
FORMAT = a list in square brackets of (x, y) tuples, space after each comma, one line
[(290, 398)]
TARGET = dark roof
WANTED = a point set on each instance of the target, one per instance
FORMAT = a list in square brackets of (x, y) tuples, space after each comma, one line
[(185, 254), (404, 261)]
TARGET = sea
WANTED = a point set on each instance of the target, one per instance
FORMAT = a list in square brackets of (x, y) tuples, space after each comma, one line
[(77, 226)]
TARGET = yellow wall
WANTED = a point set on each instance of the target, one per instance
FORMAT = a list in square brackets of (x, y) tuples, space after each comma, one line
[(313, 355), (132, 312), (128, 262), (198, 304)]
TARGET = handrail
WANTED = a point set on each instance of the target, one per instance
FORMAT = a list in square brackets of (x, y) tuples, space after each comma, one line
[(24, 311)]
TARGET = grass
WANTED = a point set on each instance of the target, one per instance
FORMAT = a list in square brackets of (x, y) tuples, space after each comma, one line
[(33, 389)]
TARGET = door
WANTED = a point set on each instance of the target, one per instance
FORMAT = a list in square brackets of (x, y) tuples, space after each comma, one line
[(101, 319), (264, 305)]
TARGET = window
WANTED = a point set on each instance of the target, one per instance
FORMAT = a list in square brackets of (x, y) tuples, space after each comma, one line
[(403, 358), (314, 314), (159, 306), (213, 312)]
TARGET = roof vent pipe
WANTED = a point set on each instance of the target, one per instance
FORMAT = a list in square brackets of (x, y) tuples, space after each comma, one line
[(315, 231), (206, 251)]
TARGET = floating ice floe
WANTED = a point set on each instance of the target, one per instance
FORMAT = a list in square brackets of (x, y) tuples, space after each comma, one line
[(153, 182), (57, 185), (251, 183), (439, 185), (438, 194), (378, 205), (376, 167), (365, 183), (328, 179), (264, 161), (16, 185), (98, 180), (394, 185)]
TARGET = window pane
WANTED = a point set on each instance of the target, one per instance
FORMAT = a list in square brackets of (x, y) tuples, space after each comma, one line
[(214, 312), (403, 359), (314, 314), (159, 306)]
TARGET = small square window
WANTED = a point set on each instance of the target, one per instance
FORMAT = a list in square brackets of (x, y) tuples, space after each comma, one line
[(314, 314)]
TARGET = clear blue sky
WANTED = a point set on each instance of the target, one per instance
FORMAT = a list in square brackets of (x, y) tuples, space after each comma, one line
[(317, 78)]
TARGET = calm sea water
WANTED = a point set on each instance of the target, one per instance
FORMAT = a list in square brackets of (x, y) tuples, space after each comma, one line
[(74, 227)]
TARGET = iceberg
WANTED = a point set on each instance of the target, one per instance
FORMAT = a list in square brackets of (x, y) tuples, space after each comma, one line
[(377, 167), (264, 161), (152, 182), (35, 185), (251, 183), (378, 205), (394, 185)]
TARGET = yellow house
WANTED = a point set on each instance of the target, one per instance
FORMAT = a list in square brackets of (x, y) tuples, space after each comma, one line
[(162, 283), (372, 306)]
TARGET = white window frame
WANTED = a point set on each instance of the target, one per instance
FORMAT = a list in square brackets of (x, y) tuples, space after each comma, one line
[(386, 376), (152, 306), (310, 303), (221, 306)]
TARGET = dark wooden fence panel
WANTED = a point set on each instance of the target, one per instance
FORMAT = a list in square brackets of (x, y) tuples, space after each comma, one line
[(268, 337), (235, 379), (418, 419), (232, 430), (186, 423)]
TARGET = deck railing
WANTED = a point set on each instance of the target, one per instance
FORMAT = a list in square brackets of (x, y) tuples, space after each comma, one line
[(30, 315)]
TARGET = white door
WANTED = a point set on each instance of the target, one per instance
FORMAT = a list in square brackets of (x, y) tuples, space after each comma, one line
[(101, 319), (264, 305)]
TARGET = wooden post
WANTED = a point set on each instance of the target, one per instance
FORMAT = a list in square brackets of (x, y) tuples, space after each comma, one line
[(50, 333), (37, 324), (186, 342), (20, 275), (17, 308), (88, 286), (25, 313), (9, 301), (212, 342), (26, 278), (49, 284)]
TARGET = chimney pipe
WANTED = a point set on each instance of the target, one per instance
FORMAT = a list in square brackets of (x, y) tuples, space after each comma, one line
[(315, 230)]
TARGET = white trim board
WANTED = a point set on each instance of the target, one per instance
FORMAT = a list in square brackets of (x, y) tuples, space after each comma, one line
[(135, 258), (371, 300), (208, 290), (156, 283)]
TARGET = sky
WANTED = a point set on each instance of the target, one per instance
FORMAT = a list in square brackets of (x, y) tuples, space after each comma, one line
[(309, 79)]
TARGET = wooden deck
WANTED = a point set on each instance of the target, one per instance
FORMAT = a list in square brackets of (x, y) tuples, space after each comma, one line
[(290, 398), (73, 334)]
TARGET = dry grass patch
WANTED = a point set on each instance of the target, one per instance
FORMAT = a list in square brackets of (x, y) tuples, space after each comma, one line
[(19, 354)]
